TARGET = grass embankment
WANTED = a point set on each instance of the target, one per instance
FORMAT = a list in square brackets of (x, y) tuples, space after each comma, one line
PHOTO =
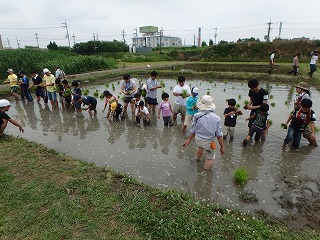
[(47, 195)]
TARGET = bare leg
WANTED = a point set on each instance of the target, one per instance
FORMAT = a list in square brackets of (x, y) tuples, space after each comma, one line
[(208, 164), (199, 154), (3, 126), (174, 117)]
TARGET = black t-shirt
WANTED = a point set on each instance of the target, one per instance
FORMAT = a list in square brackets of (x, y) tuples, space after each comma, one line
[(300, 119), (258, 98), (77, 91), (231, 120), (37, 80), (89, 100), (3, 115)]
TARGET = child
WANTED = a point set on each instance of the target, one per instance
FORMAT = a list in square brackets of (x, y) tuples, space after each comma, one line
[(144, 114), (116, 110), (76, 92), (299, 120), (230, 121), (260, 124), (59, 90), (110, 98), (66, 93), (192, 108), (87, 100), (136, 100), (166, 109)]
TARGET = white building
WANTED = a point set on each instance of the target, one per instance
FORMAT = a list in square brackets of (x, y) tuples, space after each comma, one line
[(152, 38)]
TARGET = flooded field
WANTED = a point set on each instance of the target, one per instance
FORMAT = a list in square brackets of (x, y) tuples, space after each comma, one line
[(281, 183)]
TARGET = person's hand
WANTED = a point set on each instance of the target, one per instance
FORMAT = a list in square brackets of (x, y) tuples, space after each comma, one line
[(186, 143), (103, 110), (284, 125), (247, 119), (221, 150), (21, 129), (245, 107)]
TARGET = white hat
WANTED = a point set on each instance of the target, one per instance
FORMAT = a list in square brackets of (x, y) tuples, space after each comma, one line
[(205, 103), (46, 70), (195, 90), (4, 103), (9, 70)]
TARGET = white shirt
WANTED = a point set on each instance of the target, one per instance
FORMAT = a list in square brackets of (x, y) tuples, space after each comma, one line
[(314, 59), (178, 89)]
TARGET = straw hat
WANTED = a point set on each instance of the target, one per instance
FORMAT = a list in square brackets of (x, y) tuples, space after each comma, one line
[(205, 103), (303, 86)]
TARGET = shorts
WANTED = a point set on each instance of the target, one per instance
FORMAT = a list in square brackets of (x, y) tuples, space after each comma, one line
[(258, 131), (92, 107), (228, 130), (167, 120), (188, 120), (14, 89), (128, 99), (52, 96), (151, 101), (178, 108), (313, 68), (307, 132), (206, 145), (39, 92)]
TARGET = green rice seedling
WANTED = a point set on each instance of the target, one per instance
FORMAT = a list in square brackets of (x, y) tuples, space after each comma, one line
[(224, 89), (225, 81), (184, 94), (227, 99), (101, 96), (271, 96), (286, 102), (118, 82), (86, 92), (96, 93), (246, 102), (208, 92), (317, 129), (241, 176), (170, 88), (238, 106), (215, 84), (273, 104), (271, 122), (210, 81), (239, 96), (107, 85)]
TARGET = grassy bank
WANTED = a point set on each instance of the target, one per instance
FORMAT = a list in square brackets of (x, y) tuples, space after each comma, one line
[(47, 195)]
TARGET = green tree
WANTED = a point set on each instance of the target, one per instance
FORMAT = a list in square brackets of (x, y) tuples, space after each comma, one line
[(52, 46), (204, 44), (210, 42)]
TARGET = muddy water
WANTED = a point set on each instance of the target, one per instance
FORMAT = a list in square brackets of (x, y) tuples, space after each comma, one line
[(280, 183)]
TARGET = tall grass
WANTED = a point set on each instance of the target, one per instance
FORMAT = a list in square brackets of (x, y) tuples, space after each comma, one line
[(35, 60)]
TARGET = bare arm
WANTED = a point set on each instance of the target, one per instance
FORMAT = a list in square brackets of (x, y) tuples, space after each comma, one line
[(14, 122), (220, 141)]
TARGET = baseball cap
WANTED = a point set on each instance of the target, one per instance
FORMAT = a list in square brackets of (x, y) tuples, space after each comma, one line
[(4, 103), (195, 90), (46, 70), (9, 70), (113, 106)]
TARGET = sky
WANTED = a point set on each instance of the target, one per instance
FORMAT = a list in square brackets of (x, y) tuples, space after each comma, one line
[(33, 22)]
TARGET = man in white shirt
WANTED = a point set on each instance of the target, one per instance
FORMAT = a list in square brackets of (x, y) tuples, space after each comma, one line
[(313, 63), (181, 93)]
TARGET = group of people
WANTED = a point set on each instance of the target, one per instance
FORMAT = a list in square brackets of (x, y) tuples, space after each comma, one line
[(197, 113), (295, 63)]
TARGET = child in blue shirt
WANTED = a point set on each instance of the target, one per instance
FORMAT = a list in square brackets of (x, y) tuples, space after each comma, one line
[(192, 108)]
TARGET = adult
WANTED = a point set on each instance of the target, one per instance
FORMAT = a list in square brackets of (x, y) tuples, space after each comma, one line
[(152, 86), (4, 118), (257, 96), (271, 61), (24, 86), (38, 83), (59, 74), (181, 93), (206, 126), (313, 63), (295, 65), (128, 88), (49, 83), (14, 83)]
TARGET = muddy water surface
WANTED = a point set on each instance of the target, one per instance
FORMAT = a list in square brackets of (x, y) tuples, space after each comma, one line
[(281, 183)]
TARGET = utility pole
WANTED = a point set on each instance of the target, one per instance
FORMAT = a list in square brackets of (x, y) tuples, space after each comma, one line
[(269, 29), (215, 36), (135, 33), (199, 37), (18, 42), (97, 36), (65, 25), (1, 46), (94, 44), (194, 40), (280, 27), (74, 39), (161, 34), (123, 38), (37, 38)]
